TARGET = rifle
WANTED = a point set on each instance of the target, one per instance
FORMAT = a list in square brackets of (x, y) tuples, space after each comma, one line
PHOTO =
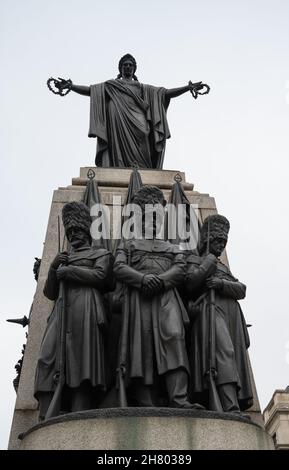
[(121, 370), (211, 373), (59, 377)]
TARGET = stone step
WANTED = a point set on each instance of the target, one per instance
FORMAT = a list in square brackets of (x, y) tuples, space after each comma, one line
[(119, 177)]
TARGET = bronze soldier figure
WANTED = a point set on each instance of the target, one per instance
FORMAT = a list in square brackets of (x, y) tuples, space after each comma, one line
[(205, 272), (156, 351), (76, 282)]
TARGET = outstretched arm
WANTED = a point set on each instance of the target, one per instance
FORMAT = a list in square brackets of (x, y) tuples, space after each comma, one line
[(174, 92), (65, 84), (82, 90), (198, 88)]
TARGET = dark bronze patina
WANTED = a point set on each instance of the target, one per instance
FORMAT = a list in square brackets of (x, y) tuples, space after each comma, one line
[(128, 117)]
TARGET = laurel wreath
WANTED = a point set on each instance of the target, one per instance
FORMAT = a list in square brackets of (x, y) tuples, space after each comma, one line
[(60, 92)]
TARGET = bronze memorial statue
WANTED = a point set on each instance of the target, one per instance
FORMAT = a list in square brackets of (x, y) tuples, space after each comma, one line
[(128, 117), (182, 339), (145, 343), (219, 339), (153, 357), (71, 373)]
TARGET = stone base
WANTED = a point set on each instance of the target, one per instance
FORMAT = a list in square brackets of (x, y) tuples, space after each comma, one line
[(146, 429)]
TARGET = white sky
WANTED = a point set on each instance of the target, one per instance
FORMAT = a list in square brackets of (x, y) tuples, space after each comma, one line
[(232, 143)]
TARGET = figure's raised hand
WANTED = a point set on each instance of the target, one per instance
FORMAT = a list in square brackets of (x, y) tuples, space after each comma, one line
[(195, 86), (62, 84)]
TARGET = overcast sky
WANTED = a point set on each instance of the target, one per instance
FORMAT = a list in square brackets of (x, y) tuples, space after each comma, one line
[(232, 143)]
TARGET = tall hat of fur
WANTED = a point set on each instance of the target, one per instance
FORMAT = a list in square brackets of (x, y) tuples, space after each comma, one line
[(217, 226), (148, 195), (76, 215)]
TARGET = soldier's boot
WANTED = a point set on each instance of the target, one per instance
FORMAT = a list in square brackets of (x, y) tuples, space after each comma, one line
[(228, 396), (81, 397), (143, 394), (177, 388), (44, 402)]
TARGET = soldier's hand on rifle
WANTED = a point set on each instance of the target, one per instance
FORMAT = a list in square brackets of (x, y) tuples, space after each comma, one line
[(211, 257), (211, 261), (60, 258), (62, 272), (214, 283)]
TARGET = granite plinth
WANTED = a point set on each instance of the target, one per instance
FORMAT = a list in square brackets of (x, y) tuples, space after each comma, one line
[(147, 429)]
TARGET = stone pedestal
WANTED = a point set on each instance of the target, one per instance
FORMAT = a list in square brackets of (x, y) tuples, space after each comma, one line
[(112, 182), (147, 429)]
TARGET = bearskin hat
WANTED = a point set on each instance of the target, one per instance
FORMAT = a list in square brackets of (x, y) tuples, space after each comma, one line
[(76, 215), (148, 195), (217, 226)]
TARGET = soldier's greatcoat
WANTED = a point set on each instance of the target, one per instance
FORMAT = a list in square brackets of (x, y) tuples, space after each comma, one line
[(231, 335)]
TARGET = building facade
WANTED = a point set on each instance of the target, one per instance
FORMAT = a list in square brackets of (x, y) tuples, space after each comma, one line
[(276, 417)]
